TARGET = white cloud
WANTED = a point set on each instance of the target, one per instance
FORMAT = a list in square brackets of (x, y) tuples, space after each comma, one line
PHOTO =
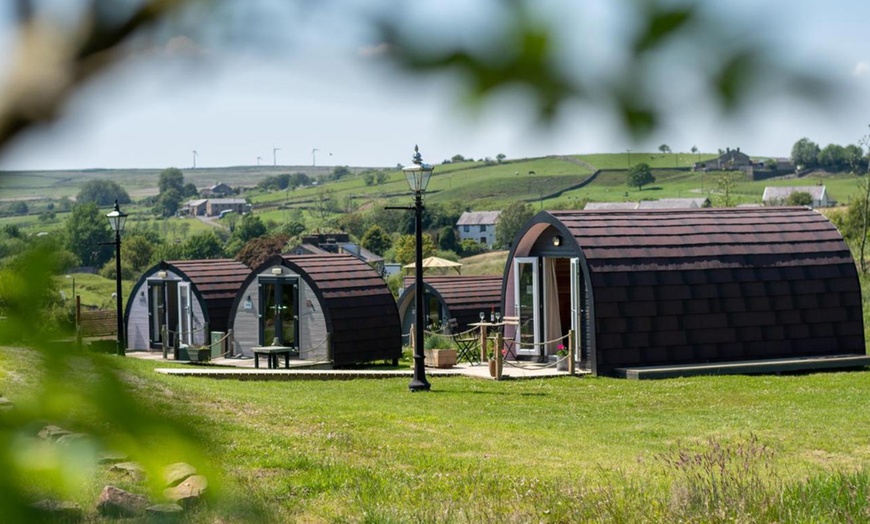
[(861, 69)]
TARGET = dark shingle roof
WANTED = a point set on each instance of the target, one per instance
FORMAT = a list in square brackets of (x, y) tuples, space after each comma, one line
[(216, 281)]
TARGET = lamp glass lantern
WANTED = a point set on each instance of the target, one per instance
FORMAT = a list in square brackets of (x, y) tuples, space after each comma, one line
[(418, 173), (117, 219)]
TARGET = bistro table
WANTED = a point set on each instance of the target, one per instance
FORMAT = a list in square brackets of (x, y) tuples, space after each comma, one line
[(272, 353)]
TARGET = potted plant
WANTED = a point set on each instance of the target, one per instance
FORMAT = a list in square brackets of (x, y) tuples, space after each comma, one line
[(493, 364), (562, 358), (438, 352)]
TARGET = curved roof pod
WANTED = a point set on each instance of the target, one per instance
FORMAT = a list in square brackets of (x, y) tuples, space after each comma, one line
[(340, 295), (214, 284), (710, 285), (460, 297)]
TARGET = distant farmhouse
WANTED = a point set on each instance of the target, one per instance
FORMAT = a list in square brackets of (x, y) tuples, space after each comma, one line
[(214, 206), (664, 203), (778, 196), (478, 226), (735, 160), (218, 190)]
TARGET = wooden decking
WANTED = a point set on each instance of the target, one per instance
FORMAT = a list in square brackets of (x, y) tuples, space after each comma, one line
[(748, 367)]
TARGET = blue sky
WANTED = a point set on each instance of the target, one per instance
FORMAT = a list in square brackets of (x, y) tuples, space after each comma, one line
[(305, 79)]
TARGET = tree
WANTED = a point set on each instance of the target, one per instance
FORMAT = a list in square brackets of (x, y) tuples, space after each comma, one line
[(202, 246), (324, 203), (664, 148), (171, 178), (136, 252), (85, 230), (833, 157), (457, 158), (368, 178), (855, 159), (18, 208), (376, 240), (799, 198), (725, 189), (447, 238), (805, 154), (510, 220), (500, 157), (640, 175), (167, 203), (258, 250), (102, 193), (249, 227), (405, 248)]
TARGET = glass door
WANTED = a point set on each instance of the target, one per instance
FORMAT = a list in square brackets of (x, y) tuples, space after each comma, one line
[(575, 305), (156, 313), (280, 312), (185, 314), (527, 306)]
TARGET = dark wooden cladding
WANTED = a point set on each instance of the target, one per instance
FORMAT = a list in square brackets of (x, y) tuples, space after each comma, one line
[(464, 297), (360, 310), (216, 282), (715, 285)]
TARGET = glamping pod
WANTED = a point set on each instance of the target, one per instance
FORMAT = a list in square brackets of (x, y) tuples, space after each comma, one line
[(183, 301), (652, 288), (326, 307), (446, 297)]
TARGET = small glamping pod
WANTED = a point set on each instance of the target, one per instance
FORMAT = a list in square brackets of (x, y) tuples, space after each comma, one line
[(184, 301), (452, 297), (326, 307), (652, 288)]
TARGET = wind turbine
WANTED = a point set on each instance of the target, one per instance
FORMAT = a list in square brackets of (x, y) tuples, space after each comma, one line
[(314, 157), (275, 156), (194, 158), (258, 159)]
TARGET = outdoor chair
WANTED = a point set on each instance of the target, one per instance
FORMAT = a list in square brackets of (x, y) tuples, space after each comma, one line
[(508, 349), (467, 343)]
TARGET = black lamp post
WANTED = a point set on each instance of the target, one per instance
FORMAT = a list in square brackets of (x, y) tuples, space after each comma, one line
[(117, 218), (418, 175)]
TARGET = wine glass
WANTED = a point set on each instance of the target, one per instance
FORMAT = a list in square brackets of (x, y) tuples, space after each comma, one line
[(497, 316), (482, 316)]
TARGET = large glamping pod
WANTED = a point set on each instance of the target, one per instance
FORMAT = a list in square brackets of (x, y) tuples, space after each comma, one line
[(446, 297), (183, 301), (658, 288), (327, 307)]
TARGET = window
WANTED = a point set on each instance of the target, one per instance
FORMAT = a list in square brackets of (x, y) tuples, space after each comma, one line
[(483, 240), (483, 228), (466, 228)]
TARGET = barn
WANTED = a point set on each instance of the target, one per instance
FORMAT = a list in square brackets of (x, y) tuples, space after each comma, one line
[(326, 307), (446, 297), (180, 303), (659, 288)]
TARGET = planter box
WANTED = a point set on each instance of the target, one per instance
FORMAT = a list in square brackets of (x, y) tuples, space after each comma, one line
[(440, 358), (194, 354)]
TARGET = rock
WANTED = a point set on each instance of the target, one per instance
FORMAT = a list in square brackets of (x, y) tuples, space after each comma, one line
[(111, 457), (52, 433), (116, 502), (165, 512), (188, 492), (59, 510), (174, 474), (70, 439), (132, 469)]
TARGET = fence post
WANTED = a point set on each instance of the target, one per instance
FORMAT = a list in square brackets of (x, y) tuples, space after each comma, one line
[(78, 315), (231, 348), (412, 339), (483, 356), (164, 336), (499, 357), (571, 356)]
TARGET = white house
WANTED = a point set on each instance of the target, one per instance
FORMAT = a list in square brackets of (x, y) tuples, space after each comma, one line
[(478, 226), (777, 196)]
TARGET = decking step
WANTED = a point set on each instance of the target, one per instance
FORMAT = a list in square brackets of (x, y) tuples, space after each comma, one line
[(746, 367)]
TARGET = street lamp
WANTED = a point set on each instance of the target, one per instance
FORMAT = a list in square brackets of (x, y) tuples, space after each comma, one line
[(117, 218), (418, 175)]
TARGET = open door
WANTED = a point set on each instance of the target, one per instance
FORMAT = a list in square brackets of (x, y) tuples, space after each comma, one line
[(185, 314), (156, 313), (576, 325), (527, 306)]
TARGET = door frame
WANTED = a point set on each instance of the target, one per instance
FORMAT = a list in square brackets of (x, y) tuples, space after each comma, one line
[(279, 283), (536, 305), (185, 337)]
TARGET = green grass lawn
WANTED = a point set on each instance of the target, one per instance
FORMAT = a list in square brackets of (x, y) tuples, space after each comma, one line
[(554, 450)]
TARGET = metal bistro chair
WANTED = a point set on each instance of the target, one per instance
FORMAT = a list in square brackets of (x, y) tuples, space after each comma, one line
[(466, 342)]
